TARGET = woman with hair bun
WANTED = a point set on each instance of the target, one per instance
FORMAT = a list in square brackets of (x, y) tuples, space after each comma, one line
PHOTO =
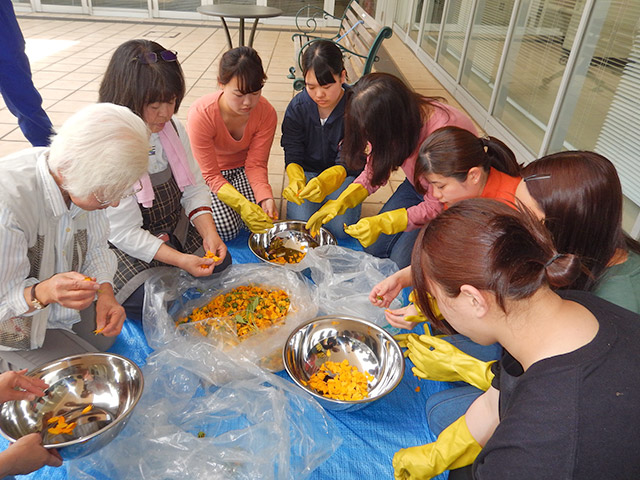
[(455, 164), (459, 165), (562, 402)]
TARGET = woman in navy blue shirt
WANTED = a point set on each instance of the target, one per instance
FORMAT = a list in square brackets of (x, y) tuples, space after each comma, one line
[(312, 130)]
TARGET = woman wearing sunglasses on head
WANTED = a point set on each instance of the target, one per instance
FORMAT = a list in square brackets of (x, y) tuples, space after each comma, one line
[(231, 132), (563, 402), (145, 229)]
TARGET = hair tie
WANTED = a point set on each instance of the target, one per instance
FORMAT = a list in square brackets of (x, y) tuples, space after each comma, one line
[(553, 259), (484, 140)]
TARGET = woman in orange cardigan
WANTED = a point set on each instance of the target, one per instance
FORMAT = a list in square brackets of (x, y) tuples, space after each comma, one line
[(231, 133), (458, 165)]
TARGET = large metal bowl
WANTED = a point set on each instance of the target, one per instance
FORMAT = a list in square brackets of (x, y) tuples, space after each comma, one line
[(294, 236), (365, 345), (111, 384)]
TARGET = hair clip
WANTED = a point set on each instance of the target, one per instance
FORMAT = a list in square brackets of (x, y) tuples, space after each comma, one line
[(537, 176)]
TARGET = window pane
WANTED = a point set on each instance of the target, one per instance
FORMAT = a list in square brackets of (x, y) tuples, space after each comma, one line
[(290, 8), (534, 66), (402, 15), (432, 21), (601, 108), (179, 5), (139, 4), (453, 35), (415, 24), (485, 48)]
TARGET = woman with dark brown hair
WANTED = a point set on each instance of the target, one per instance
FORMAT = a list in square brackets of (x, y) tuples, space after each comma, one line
[(562, 403), (456, 165), (459, 165), (579, 197), (231, 133), (385, 124), (169, 222)]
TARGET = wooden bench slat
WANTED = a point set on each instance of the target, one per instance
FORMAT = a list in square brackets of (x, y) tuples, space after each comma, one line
[(359, 36)]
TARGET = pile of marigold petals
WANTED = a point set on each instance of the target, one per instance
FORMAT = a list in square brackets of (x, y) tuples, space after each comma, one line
[(252, 308), (341, 381), (61, 426)]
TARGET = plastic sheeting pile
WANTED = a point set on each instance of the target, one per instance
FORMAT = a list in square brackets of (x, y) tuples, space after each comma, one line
[(204, 415)]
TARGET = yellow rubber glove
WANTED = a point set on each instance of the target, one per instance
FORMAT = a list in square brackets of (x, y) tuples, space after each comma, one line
[(297, 181), (437, 359), (253, 216), (353, 195), (368, 229), (454, 448), (433, 303), (327, 182)]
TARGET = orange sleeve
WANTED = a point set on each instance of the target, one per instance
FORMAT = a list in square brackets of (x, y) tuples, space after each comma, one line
[(201, 127), (256, 164)]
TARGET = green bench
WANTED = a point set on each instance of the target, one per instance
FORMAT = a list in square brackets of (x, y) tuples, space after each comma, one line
[(359, 36)]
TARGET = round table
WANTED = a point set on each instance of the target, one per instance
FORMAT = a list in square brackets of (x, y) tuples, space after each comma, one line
[(228, 10)]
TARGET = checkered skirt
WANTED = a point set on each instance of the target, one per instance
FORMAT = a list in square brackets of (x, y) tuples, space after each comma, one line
[(228, 222), (164, 216)]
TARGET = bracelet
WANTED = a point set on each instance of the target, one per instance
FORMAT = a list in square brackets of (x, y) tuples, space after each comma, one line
[(200, 209)]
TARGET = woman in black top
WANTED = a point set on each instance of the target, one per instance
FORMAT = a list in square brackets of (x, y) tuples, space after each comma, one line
[(563, 403)]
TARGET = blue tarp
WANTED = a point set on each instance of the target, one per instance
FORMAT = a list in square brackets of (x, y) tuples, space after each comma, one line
[(371, 435)]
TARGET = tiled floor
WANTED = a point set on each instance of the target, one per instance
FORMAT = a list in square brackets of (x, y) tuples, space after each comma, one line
[(69, 54)]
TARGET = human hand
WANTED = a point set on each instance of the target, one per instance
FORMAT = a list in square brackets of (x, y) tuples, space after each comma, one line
[(215, 245), (27, 455), (387, 290), (16, 386), (252, 215), (297, 181), (327, 182), (110, 315), (69, 289), (437, 359), (406, 317), (368, 229), (269, 207)]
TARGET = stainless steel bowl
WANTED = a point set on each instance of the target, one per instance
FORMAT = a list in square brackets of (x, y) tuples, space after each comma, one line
[(365, 345), (111, 384), (294, 236)]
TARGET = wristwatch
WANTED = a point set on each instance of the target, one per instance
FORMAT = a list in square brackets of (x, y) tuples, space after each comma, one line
[(35, 303)]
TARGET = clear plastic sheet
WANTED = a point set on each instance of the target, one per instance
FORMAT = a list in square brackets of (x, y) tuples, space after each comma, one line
[(169, 297), (205, 415), (344, 278)]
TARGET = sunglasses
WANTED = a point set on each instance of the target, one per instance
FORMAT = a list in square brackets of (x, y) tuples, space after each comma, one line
[(105, 203), (153, 57)]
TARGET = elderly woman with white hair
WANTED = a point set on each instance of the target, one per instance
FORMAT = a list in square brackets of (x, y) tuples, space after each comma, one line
[(56, 269)]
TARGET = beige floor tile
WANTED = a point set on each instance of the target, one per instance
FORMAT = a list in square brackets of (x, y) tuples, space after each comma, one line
[(7, 148), (6, 128), (70, 78)]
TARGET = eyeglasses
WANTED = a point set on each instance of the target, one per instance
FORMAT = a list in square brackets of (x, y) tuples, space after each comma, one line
[(152, 57), (105, 203)]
